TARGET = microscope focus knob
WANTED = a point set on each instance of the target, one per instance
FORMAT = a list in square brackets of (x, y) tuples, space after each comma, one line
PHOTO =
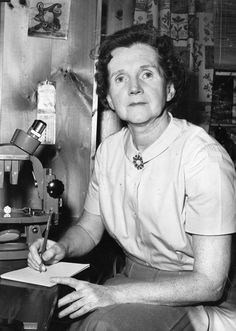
[(55, 188)]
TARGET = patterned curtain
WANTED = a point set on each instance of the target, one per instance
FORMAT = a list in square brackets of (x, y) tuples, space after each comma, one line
[(190, 25)]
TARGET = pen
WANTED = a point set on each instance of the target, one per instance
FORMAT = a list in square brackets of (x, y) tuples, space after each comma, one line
[(45, 238)]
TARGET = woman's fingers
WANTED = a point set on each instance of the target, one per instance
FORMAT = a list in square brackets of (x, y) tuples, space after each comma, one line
[(85, 297)]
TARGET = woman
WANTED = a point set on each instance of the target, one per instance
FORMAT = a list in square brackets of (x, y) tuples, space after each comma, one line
[(164, 190)]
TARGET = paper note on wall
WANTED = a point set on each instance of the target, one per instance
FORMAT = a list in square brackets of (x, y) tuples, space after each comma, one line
[(46, 110)]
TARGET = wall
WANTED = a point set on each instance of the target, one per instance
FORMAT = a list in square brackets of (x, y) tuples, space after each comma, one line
[(25, 61)]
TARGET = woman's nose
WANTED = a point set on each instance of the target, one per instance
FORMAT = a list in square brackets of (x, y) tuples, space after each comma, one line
[(135, 88)]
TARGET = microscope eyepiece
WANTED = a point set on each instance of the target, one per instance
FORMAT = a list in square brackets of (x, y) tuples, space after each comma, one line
[(37, 129), (29, 141)]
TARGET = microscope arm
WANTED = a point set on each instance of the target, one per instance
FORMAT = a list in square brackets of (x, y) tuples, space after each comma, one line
[(38, 173)]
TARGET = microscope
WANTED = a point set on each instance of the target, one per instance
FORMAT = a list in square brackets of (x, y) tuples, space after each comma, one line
[(21, 225)]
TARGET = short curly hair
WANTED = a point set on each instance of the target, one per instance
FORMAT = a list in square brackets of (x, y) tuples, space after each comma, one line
[(173, 69)]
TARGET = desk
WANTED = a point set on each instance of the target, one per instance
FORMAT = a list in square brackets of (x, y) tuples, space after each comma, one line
[(31, 304)]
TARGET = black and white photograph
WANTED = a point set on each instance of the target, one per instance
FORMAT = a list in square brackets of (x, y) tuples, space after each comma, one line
[(118, 165)]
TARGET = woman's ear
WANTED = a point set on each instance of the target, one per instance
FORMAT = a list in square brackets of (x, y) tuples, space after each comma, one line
[(170, 92), (110, 103)]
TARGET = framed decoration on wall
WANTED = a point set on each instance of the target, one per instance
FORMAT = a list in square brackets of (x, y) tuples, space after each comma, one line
[(49, 18)]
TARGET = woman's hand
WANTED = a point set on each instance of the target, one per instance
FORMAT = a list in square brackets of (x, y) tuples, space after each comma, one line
[(53, 254), (86, 297)]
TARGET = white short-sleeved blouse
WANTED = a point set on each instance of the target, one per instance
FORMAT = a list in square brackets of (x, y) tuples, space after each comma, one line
[(187, 186)]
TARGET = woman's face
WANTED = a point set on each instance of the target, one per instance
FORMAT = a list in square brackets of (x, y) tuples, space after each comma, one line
[(137, 89)]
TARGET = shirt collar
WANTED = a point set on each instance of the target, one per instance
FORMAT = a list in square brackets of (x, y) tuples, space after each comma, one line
[(157, 147)]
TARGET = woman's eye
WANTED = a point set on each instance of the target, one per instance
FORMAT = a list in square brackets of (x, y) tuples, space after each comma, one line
[(147, 74), (119, 79)]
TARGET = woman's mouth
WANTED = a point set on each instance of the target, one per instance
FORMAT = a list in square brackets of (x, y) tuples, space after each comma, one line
[(132, 104)]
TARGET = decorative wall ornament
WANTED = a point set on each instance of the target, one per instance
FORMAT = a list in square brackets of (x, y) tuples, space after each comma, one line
[(49, 18)]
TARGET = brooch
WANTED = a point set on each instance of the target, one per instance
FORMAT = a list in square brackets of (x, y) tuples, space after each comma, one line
[(138, 162)]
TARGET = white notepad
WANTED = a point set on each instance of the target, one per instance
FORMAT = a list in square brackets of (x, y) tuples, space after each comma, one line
[(31, 276)]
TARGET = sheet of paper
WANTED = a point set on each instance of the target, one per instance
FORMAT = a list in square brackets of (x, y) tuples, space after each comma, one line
[(31, 276)]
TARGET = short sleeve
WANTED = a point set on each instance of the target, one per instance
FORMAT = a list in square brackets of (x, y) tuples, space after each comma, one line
[(210, 191), (92, 198)]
